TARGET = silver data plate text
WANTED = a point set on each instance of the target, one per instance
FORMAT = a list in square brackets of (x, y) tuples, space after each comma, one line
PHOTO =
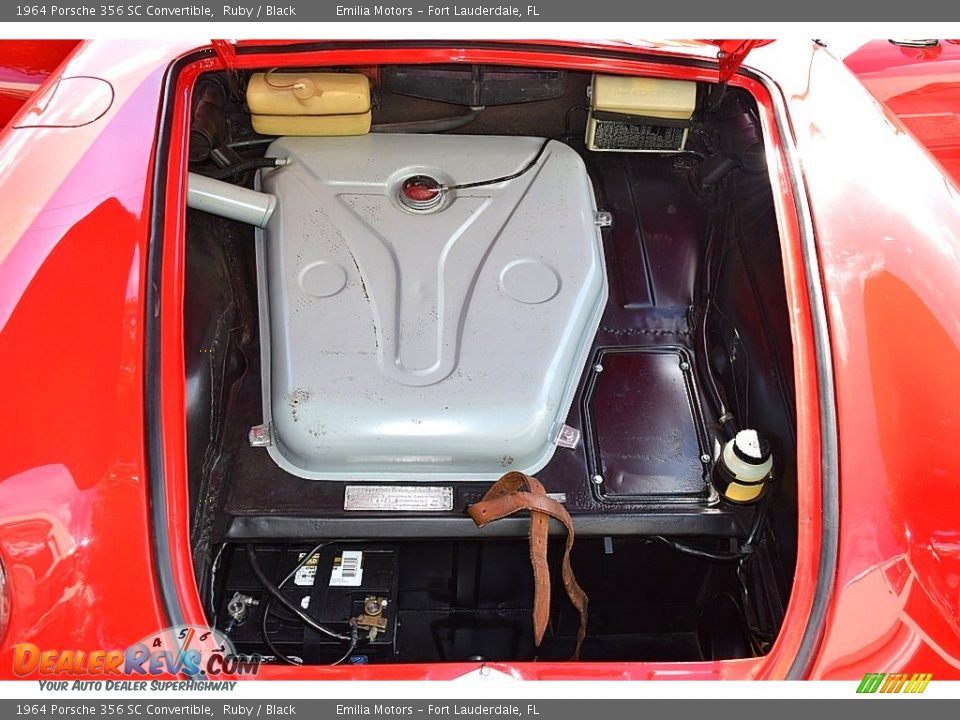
[(398, 498)]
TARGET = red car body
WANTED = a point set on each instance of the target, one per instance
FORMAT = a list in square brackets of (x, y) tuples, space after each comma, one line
[(920, 82), (24, 65), (93, 385)]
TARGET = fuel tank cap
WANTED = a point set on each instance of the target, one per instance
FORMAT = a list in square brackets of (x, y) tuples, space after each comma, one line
[(421, 193)]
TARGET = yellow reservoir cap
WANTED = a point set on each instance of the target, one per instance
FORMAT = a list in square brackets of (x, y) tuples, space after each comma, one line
[(308, 93), (649, 97)]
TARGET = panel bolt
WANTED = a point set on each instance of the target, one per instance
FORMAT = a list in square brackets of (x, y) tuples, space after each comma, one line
[(569, 437), (259, 436)]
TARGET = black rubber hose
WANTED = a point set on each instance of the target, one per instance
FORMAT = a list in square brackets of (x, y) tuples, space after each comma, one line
[(283, 600), (701, 553), (251, 142), (504, 178), (747, 549), (433, 125), (277, 652), (265, 613), (244, 166), (354, 640), (208, 126)]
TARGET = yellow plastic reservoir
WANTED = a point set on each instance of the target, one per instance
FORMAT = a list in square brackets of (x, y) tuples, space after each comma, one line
[(312, 125), (649, 97), (309, 103)]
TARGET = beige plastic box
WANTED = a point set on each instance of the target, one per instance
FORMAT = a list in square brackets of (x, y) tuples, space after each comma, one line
[(309, 103), (650, 97), (636, 114)]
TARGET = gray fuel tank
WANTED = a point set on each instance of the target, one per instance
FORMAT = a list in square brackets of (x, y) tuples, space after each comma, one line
[(439, 343)]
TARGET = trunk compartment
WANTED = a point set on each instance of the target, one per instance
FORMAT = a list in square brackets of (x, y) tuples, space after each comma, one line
[(693, 345)]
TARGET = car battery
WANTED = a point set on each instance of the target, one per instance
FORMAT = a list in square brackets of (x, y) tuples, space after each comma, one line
[(358, 583), (339, 585)]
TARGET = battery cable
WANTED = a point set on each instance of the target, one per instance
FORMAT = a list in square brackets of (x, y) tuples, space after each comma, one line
[(275, 592)]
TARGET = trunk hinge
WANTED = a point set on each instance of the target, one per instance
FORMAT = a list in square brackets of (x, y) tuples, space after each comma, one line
[(732, 53), (227, 52)]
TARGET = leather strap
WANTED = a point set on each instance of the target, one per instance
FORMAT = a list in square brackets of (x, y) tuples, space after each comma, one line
[(513, 493)]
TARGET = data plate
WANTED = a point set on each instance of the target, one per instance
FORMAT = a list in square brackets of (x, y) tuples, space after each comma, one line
[(398, 498)]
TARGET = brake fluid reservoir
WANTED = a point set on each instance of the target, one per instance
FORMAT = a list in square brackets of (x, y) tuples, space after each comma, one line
[(744, 468), (309, 103)]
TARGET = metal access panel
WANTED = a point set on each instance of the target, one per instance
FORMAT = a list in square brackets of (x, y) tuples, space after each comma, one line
[(644, 432), (436, 342)]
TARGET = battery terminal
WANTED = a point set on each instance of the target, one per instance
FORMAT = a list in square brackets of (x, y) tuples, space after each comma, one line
[(372, 618), (239, 609)]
